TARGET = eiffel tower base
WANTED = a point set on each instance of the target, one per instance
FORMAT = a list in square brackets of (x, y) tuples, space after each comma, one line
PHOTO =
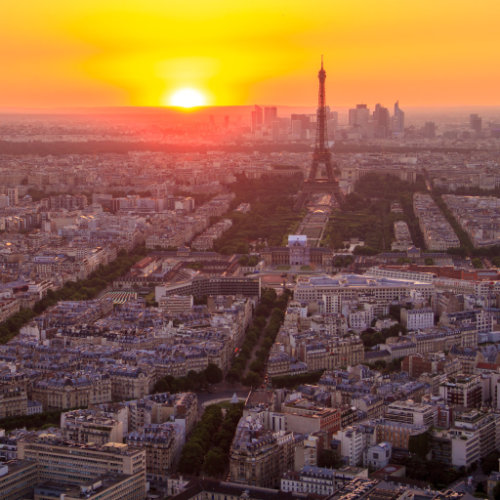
[(315, 187)]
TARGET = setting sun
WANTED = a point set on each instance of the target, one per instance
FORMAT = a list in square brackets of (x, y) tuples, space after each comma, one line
[(187, 98)]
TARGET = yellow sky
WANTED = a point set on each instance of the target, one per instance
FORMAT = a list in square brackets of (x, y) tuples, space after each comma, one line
[(138, 52)]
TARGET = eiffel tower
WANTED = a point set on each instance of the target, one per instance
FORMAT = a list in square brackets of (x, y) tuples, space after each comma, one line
[(321, 178), (322, 155)]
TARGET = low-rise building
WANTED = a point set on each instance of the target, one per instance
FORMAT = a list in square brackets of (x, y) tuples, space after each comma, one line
[(64, 462), (310, 480), (378, 456), (17, 479)]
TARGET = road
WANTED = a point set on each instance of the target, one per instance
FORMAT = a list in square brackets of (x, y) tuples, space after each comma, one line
[(223, 392), (314, 223)]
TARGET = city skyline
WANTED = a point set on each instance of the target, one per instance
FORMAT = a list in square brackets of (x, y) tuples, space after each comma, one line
[(142, 54), (249, 252)]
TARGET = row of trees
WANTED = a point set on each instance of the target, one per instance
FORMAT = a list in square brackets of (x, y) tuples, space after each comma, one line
[(207, 449), (193, 381), (430, 471), (465, 241), (36, 421), (271, 215), (248, 260), (382, 366), (371, 337), (472, 191), (268, 317), (292, 381), (466, 247), (342, 261), (366, 213), (73, 290)]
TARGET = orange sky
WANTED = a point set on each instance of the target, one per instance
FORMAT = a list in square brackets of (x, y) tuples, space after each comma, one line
[(60, 53)]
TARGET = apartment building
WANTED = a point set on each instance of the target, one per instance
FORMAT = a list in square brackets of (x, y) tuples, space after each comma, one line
[(352, 444), (162, 444), (378, 456), (486, 425), (8, 307), (306, 418), (176, 304), (128, 383), (410, 412), (465, 447), (353, 286), (397, 433), (71, 463), (462, 390), (259, 457), (65, 392), (162, 407), (105, 487), (437, 232), (91, 426), (310, 480), (200, 286), (17, 479), (417, 319), (329, 354), (13, 401)]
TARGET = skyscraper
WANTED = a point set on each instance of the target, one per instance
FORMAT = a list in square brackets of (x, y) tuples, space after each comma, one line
[(256, 119), (270, 115), (359, 116), (398, 120), (382, 121), (359, 120), (476, 123)]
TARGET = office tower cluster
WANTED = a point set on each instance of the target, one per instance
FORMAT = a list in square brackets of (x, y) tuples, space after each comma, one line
[(267, 125), (379, 124), (264, 119)]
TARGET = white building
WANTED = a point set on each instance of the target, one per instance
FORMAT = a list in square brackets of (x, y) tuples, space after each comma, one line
[(316, 480), (464, 447), (409, 412), (352, 445), (417, 319), (378, 456), (320, 481), (311, 289)]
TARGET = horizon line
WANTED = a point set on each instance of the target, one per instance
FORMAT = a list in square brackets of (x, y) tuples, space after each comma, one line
[(67, 109)]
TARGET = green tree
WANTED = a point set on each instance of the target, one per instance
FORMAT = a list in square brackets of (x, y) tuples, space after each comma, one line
[(215, 462), (477, 263), (252, 379), (213, 373), (191, 459)]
